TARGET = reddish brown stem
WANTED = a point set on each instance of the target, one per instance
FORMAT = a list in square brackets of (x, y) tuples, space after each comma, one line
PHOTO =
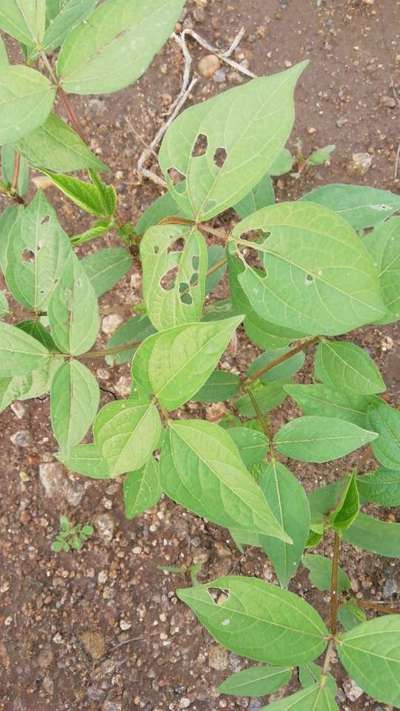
[(274, 363), (379, 607), (73, 118)]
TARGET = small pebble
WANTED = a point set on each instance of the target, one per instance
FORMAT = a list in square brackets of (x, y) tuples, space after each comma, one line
[(22, 438), (110, 323), (208, 65)]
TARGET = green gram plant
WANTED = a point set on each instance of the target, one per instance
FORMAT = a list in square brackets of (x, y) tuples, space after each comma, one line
[(302, 275), (71, 537)]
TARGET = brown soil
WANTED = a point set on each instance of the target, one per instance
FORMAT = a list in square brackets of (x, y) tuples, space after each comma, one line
[(102, 628)]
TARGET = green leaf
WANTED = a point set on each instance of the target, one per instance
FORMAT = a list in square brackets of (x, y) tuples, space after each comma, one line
[(38, 331), (320, 573), (24, 19), (85, 459), (267, 335), (350, 615), (73, 311), (98, 229), (133, 331), (359, 205), (201, 469), (53, 7), (26, 99), (252, 445), (37, 255), (319, 277), (283, 164), (267, 397), (4, 309), (345, 366), (174, 274), (324, 500), (116, 46), (370, 653), (8, 220), (126, 433), (281, 373), (315, 698), (31, 385), (320, 439), (329, 402), (380, 487), (164, 206), (261, 196), (288, 502), (311, 673), (20, 354), (385, 420), (258, 620), (8, 159), (245, 130), (87, 196), (371, 534), (56, 147), (74, 400), (71, 14), (348, 508), (216, 254), (221, 385), (256, 681), (321, 156), (181, 359), (106, 267), (142, 489), (383, 244)]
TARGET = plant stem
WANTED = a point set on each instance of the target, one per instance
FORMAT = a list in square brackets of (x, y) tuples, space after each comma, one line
[(334, 584), (110, 351), (15, 178), (379, 607), (302, 345), (64, 97), (260, 416)]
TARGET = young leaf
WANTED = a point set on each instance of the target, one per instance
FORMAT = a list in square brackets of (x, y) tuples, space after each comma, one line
[(174, 275), (359, 205), (319, 277), (182, 359), (201, 469), (329, 402), (24, 20), (345, 366), (288, 502), (142, 489), (106, 267), (116, 46), (324, 500), (252, 445), (85, 459), (73, 310), (20, 354), (321, 156), (37, 254), (350, 615), (258, 620), (371, 534), (380, 487), (281, 373), (26, 99), (256, 681), (8, 159), (320, 439), (320, 573), (370, 653), (383, 244), (261, 196), (74, 400), (88, 196), (348, 508), (56, 147), (126, 434), (38, 331), (283, 164), (317, 697), (220, 386), (311, 673), (133, 331), (385, 420), (244, 129), (266, 396), (72, 13)]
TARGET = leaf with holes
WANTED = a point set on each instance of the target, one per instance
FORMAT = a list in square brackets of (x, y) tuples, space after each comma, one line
[(26, 99), (258, 620), (380, 487), (56, 147), (174, 261), (24, 19), (73, 310), (383, 244), (319, 277), (176, 363), (385, 420), (320, 573), (256, 681), (370, 653), (224, 146), (201, 469), (20, 354), (325, 401), (359, 205), (37, 254), (220, 386), (70, 15), (288, 501), (85, 459), (74, 399), (142, 489), (106, 267), (345, 366), (116, 46), (126, 434), (320, 439)]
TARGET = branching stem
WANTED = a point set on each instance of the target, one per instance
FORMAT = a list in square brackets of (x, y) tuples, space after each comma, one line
[(302, 345)]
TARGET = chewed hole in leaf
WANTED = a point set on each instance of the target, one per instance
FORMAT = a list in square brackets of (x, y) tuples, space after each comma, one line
[(186, 299), (156, 249), (251, 235), (220, 157), (184, 293), (28, 256), (218, 596), (175, 176), (45, 220), (177, 245), (195, 262), (194, 279), (168, 280), (309, 279), (200, 146)]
